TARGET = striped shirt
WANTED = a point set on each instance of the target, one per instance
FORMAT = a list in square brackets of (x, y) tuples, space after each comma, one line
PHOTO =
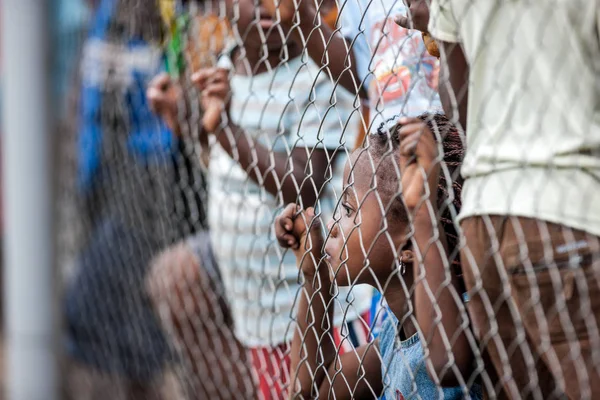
[(292, 106)]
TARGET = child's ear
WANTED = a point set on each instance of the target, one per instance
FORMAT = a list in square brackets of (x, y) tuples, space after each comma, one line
[(408, 257)]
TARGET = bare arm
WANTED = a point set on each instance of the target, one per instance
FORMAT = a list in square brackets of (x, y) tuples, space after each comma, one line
[(355, 375), (438, 306), (313, 346), (454, 82), (454, 69), (330, 49), (301, 173), (315, 365)]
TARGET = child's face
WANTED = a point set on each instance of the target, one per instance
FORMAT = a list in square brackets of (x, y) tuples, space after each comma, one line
[(255, 25), (360, 233)]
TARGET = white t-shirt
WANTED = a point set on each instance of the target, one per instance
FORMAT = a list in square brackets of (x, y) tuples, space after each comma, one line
[(393, 62), (289, 106), (533, 128)]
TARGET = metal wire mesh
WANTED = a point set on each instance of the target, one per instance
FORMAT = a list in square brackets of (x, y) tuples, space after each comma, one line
[(294, 199)]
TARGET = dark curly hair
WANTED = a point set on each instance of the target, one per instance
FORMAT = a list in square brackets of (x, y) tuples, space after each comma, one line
[(385, 143)]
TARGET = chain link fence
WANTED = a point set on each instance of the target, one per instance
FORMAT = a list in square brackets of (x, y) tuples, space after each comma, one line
[(332, 199)]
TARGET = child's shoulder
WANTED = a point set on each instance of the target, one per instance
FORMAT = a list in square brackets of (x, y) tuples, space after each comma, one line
[(388, 335)]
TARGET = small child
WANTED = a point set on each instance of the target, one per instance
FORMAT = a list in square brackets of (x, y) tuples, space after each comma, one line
[(408, 251)]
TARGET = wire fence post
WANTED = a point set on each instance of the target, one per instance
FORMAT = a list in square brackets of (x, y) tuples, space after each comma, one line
[(29, 284)]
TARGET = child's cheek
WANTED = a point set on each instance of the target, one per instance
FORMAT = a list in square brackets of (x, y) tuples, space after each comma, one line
[(355, 256), (347, 274)]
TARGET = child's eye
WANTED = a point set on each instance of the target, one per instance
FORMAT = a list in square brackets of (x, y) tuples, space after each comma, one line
[(347, 210)]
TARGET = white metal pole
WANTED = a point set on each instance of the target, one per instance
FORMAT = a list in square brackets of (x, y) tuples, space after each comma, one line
[(29, 275)]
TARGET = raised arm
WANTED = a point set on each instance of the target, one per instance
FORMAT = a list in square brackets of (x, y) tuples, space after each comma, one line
[(438, 307), (454, 82), (315, 365), (301, 173), (327, 47), (444, 27), (454, 69), (439, 312), (298, 174)]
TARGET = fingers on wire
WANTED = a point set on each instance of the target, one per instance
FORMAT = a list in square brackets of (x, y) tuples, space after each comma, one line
[(158, 94), (410, 135), (284, 227), (209, 76)]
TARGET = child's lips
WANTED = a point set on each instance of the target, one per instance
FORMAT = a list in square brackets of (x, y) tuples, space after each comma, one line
[(328, 256), (266, 23)]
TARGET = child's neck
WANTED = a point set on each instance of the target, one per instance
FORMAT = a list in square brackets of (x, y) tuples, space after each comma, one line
[(396, 299), (250, 60)]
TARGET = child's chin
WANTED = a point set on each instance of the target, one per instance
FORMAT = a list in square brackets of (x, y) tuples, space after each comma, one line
[(342, 278)]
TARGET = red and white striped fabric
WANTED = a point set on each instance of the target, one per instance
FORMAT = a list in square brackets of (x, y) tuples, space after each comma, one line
[(272, 364)]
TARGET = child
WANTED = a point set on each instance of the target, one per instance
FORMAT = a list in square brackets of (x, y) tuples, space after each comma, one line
[(274, 140), (369, 54), (367, 245)]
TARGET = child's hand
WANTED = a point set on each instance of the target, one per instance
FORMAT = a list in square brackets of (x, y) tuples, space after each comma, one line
[(286, 8), (419, 164), (215, 92), (300, 231), (163, 95), (417, 17)]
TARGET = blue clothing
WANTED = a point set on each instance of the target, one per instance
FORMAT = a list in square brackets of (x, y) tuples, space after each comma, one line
[(109, 65), (379, 312), (404, 371), (129, 166)]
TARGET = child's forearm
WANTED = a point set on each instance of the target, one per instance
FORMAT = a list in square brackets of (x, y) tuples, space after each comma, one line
[(281, 174), (313, 346), (454, 82), (315, 363), (329, 48), (439, 309)]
